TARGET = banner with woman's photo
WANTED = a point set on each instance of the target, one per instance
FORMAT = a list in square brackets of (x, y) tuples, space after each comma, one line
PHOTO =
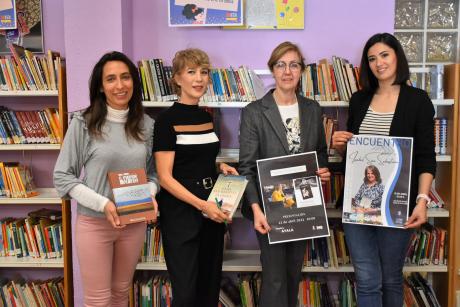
[(377, 180), (292, 197)]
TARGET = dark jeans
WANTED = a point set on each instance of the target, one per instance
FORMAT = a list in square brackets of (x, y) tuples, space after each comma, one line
[(378, 258), (281, 272)]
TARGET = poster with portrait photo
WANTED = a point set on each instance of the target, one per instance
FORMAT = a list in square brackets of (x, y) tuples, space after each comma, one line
[(200, 13), (292, 197), (29, 30), (377, 180)]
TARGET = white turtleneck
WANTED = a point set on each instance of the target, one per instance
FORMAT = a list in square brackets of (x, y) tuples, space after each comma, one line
[(87, 196)]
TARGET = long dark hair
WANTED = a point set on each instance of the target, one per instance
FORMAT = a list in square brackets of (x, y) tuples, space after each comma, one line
[(367, 79), (96, 113)]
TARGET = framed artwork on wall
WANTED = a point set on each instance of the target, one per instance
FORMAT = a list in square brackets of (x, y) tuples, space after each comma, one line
[(29, 30), (193, 13)]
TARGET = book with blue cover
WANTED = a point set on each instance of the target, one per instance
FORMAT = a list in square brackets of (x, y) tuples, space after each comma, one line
[(131, 195)]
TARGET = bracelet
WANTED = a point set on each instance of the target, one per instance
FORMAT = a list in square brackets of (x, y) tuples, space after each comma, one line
[(423, 196)]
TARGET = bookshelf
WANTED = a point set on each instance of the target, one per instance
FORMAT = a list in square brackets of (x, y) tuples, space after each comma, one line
[(445, 278), (447, 183), (48, 196)]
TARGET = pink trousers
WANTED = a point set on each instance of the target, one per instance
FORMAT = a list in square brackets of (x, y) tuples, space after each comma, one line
[(107, 258)]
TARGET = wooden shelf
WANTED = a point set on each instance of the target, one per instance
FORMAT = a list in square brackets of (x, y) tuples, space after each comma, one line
[(29, 93), (231, 155), (30, 147), (249, 261), (242, 104), (47, 196), (28, 262), (443, 158)]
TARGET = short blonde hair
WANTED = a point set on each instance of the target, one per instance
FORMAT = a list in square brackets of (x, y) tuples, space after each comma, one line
[(191, 57), (281, 50)]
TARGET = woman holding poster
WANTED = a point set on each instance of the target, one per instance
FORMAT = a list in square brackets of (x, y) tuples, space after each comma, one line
[(281, 123), (388, 106)]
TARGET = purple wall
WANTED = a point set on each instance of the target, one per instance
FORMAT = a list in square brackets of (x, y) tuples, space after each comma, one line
[(84, 30), (332, 27)]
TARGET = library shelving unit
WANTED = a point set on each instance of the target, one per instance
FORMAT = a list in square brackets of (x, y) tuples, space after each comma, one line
[(48, 196), (445, 278), (447, 183)]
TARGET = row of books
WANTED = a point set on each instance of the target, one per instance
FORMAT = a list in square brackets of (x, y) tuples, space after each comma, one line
[(18, 293), (440, 135), (16, 181), (152, 250), (332, 189), (329, 251), (29, 127), (428, 246), (313, 292), (229, 84), (418, 292), (154, 291), (37, 236), (330, 126), (24, 71), (324, 81)]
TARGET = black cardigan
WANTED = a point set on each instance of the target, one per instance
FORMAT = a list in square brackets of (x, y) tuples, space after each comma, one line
[(413, 117)]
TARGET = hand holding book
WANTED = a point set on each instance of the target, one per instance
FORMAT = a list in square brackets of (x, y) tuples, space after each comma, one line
[(111, 215), (213, 212)]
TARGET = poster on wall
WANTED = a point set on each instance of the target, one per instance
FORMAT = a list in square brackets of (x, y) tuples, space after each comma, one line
[(29, 30), (193, 13), (7, 14), (377, 181), (273, 15)]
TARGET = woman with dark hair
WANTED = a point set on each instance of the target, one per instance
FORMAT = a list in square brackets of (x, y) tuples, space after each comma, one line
[(112, 134), (388, 106), (186, 148), (369, 196), (281, 123)]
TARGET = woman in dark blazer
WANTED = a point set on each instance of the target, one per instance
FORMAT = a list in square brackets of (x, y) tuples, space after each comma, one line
[(279, 124), (388, 106)]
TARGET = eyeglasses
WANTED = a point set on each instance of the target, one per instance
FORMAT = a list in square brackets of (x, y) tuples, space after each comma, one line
[(293, 66)]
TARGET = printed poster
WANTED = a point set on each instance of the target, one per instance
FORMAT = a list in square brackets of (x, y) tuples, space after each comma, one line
[(7, 15), (377, 180), (273, 14), (28, 32), (292, 197), (192, 13)]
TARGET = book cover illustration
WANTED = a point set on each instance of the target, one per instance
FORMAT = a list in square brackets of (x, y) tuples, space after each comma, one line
[(131, 195), (292, 197), (227, 192), (192, 13), (377, 180), (7, 14)]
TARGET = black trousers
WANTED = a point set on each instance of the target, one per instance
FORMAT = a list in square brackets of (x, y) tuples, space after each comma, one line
[(193, 247)]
